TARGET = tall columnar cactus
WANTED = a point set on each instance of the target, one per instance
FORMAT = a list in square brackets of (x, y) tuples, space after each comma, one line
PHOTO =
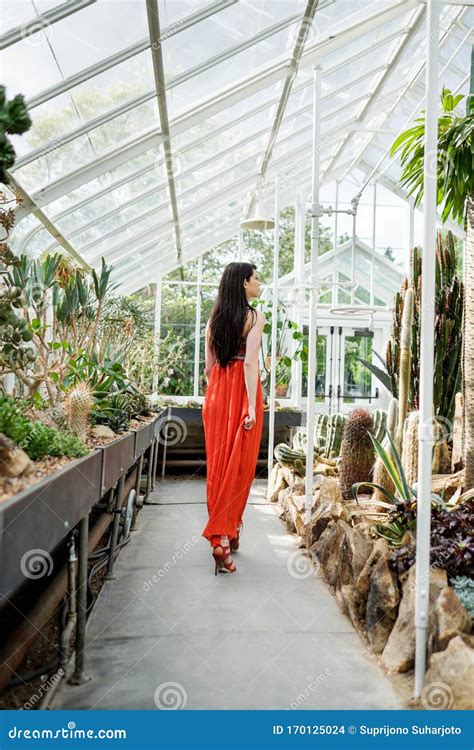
[(440, 456), (448, 329), (357, 451), (321, 430), (380, 424), (410, 447), (405, 364), (78, 405), (334, 435), (456, 459)]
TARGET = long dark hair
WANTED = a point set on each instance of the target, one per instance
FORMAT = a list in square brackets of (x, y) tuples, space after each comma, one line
[(230, 311)]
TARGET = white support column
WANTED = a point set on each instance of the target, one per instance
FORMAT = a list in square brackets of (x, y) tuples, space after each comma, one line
[(158, 299), (315, 214), (271, 412), (197, 329), (427, 347), (336, 214), (372, 260), (299, 291)]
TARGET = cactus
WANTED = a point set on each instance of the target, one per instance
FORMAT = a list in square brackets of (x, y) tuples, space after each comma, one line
[(78, 405), (380, 474), (441, 459), (405, 365), (299, 441), (286, 455), (320, 431), (410, 447), (380, 424), (448, 329), (456, 458), (300, 467), (357, 451), (334, 435)]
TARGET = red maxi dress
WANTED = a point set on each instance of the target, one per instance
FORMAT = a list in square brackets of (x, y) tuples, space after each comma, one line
[(231, 450)]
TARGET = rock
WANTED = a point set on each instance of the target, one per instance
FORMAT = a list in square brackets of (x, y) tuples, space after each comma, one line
[(327, 550), (382, 604), (347, 601), (353, 553), (13, 459), (289, 475), (275, 484), (451, 619), (447, 484), (324, 513), (330, 491), (362, 583), (399, 653), (450, 677), (342, 552), (102, 431), (456, 455)]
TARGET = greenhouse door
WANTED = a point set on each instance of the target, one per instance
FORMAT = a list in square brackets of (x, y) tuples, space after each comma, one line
[(346, 383)]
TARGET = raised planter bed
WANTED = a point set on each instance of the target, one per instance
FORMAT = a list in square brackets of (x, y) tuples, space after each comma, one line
[(42, 515), (190, 451)]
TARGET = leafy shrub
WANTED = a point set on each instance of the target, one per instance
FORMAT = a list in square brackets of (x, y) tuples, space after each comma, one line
[(35, 437)]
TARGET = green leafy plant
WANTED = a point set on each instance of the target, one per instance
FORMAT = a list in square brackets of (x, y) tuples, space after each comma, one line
[(35, 437), (464, 588)]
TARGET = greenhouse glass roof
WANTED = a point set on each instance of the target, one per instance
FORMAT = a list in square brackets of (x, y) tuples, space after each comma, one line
[(157, 124)]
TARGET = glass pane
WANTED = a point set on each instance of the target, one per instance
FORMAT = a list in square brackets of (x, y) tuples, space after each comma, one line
[(357, 378), (321, 374)]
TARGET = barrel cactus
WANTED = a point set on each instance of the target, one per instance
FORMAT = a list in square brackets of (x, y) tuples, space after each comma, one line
[(357, 451)]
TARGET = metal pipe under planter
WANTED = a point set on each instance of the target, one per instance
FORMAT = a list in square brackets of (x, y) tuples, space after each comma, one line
[(117, 513), (155, 462), (80, 677), (138, 498), (150, 459), (16, 647)]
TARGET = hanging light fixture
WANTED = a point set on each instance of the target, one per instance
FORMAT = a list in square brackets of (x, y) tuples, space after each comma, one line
[(260, 218)]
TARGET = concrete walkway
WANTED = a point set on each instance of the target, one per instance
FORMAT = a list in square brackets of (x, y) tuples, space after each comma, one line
[(168, 632)]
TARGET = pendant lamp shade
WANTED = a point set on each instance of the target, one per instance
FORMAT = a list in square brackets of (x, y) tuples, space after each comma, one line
[(258, 220)]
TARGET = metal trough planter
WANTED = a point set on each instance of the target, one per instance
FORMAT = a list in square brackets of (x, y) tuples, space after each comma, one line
[(35, 521)]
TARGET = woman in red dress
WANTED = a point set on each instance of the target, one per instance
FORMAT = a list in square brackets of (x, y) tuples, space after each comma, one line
[(233, 408)]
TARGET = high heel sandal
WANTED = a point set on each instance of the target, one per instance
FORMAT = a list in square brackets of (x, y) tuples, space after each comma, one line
[(223, 559), (235, 543)]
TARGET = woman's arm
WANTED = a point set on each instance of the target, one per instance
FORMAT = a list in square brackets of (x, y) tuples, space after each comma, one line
[(209, 355), (251, 369)]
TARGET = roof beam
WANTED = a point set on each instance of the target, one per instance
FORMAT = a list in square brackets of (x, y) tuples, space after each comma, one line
[(42, 21), (153, 15), (232, 95), (110, 62)]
